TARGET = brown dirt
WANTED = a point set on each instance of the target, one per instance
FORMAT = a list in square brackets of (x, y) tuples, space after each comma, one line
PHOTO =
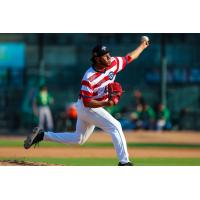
[(137, 137), (22, 163), (77, 152)]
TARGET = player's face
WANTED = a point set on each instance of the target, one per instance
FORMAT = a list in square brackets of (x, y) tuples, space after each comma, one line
[(105, 59)]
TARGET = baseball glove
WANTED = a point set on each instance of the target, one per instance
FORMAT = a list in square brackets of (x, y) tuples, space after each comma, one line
[(114, 92)]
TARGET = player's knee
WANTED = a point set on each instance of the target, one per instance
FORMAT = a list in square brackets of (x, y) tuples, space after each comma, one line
[(118, 125)]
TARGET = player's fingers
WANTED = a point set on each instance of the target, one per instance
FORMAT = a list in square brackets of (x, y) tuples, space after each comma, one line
[(146, 43)]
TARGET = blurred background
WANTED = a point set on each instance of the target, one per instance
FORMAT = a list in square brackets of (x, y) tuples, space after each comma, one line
[(162, 87)]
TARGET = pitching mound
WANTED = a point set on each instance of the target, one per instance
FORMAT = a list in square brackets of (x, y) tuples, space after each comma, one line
[(22, 163)]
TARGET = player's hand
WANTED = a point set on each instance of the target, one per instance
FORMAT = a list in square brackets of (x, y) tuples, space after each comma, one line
[(145, 44), (144, 41)]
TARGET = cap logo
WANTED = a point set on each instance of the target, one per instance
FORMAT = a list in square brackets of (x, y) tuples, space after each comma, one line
[(103, 48)]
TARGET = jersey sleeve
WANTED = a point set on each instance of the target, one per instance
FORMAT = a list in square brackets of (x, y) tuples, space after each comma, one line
[(86, 91), (121, 63)]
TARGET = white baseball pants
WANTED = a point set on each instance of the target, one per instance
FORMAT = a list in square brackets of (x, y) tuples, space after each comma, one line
[(45, 113), (88, 118)]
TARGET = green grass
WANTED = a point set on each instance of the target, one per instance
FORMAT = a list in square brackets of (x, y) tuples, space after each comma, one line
[(19, 143), (113, 162)]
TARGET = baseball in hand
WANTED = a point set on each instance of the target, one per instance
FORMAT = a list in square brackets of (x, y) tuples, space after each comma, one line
[(144, 38)]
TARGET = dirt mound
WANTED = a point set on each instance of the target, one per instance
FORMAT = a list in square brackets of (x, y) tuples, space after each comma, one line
[(22, 163)]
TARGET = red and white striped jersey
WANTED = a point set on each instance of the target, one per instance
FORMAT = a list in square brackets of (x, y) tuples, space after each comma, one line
[(94, 83)]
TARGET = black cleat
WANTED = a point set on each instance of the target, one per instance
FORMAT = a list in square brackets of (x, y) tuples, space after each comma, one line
[(125, 164), (36, 136)]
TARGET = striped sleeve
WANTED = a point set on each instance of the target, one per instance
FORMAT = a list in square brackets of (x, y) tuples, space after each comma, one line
[(86, 91), (121, 63)]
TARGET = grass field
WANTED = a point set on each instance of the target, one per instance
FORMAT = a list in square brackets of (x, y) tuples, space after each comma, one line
[(187, 152), (18, 143)]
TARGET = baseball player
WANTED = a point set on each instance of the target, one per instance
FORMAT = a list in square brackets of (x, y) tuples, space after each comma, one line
[(96, 84), (41, 107)]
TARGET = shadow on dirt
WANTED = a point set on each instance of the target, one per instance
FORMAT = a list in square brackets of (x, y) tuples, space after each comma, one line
[(23, 163)]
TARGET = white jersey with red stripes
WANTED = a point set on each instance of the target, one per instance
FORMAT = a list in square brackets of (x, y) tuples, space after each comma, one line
[(94, 83)]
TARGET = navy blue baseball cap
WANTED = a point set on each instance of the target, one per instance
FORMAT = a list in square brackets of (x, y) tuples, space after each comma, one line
[(99, 50)]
